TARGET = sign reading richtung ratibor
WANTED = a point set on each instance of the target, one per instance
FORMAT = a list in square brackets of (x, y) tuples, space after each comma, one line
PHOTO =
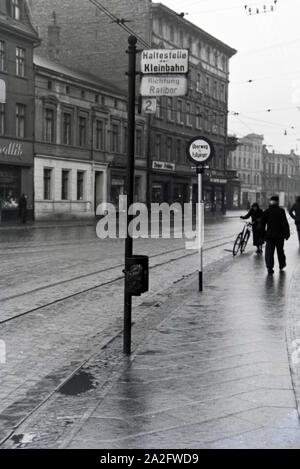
[(160, 61), (164, 85)]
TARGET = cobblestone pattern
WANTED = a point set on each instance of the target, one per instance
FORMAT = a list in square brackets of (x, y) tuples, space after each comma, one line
[(44, 347), (57, 420), (213, 374)]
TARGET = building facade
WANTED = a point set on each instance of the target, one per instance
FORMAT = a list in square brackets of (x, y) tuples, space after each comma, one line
[(202, 112), (81, 143), (247, 161), (281, 176), (69, 32), (17, 41)]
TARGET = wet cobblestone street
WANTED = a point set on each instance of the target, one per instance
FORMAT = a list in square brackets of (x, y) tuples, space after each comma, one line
[(208, 370)]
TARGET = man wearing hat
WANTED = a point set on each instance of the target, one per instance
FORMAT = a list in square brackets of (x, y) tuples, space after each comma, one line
[(295, 214), (275, 230)]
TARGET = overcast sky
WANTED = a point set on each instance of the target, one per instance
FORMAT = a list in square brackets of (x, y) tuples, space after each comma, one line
[(268, 53)]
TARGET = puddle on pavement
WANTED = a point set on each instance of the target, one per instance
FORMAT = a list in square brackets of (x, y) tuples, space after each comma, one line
[(151, 352), (23, 439), (78, 384)]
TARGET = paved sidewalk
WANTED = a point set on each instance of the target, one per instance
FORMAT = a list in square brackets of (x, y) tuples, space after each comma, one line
[(214, 374)]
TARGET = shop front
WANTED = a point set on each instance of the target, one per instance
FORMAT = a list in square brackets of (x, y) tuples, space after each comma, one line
[(214, 193), (169, 186), (233, 192), (117, 188), (16, 178)]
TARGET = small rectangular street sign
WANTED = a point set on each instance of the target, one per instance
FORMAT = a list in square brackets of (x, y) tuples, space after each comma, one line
[(164, 85), (165, 61), (149, 105)]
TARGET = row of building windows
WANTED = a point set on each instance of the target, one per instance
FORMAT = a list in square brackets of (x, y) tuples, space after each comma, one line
[(65, 184), (250, 179), (20, 120), (239, 162), (79, 93), (191, 115), (169, 149), (20, 59), (249, 149), (279, 168), (196, 47), (118, 135), (210, 86)]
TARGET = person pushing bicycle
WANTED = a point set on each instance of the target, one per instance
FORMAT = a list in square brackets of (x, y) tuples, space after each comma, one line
[(256, 214)]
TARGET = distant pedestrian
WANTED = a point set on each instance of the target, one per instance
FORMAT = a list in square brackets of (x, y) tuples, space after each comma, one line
[(23, 209), (295, 214), (275, 230), (256, 214)]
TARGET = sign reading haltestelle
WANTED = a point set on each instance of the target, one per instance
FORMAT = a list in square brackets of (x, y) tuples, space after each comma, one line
[(160, 61), (164, 85)]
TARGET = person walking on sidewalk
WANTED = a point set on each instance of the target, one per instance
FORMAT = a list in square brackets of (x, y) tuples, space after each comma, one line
[(23, 209), (275, 230), (255, 213), (295, 214)]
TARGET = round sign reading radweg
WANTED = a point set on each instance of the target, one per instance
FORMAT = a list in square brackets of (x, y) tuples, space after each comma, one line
[(200, 150)]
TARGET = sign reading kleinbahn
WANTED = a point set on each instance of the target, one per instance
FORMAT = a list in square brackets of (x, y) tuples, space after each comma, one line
[(164, 85), (200, 150), (165, 61)]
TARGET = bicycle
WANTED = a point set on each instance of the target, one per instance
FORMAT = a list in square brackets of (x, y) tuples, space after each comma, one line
[(242, 239)]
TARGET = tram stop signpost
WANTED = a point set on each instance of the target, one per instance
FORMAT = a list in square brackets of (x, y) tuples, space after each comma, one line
[(163, 73), (200, 150)]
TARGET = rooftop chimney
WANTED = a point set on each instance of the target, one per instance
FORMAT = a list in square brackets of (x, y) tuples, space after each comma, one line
[(54, 39)]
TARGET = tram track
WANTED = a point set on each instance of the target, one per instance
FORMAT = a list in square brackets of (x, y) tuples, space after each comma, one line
[(116, 279), (28, 409)]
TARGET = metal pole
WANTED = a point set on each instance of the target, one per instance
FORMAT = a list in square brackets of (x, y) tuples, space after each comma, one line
[(149, 164), (132, 41), (200, 228)]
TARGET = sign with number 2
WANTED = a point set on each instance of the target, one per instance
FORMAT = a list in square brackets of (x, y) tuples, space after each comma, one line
[(149, 105)]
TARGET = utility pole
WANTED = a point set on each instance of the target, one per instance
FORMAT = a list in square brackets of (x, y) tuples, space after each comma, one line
[(132, 51), (149, 168)]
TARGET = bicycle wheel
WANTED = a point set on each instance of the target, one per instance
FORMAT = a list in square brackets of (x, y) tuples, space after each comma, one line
[(245, 242), (237, 244)]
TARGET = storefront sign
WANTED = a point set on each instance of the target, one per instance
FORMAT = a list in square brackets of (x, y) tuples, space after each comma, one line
[(163, 166), (12, 150), (164, 85), (200, 150), (218, 181), (165, 61)]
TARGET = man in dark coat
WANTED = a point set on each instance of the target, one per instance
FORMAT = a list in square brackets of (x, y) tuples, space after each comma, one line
[(295, 214), (275, 230), (23, 209), (255, 213)]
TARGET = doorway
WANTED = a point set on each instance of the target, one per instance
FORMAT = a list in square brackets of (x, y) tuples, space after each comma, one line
[(99, 187)]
